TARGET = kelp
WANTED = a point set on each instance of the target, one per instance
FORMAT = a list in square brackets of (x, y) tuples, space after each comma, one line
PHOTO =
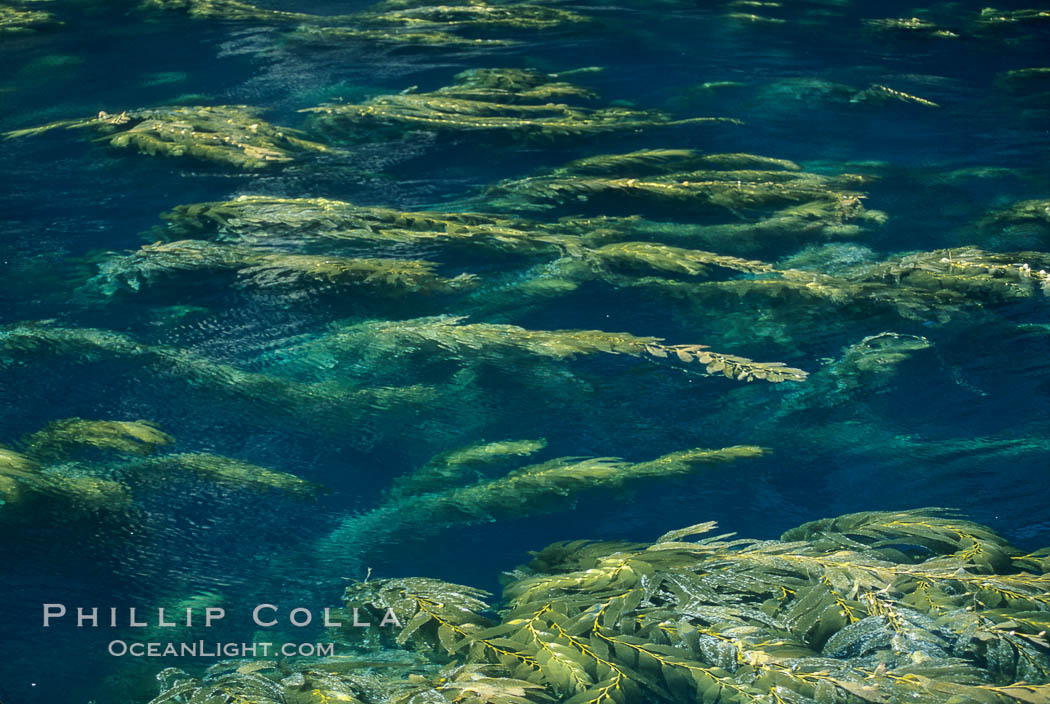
[(502, 343), (1023, 215), (25, 344), (260, 268), (866, 608), (741, 184), (422, 23), (471, 13), (990, 18), (18, 18), (393, 36), (460, 465), (911, 27), (880, 94), (234, 10), (16, 470), (806, 92), (261, 220), (30, 491), (469, 24), (62, 438), (232, 135), (932, 286), (529, 491), (648, 162), (1021, 80), (222, 471), (510, 102)]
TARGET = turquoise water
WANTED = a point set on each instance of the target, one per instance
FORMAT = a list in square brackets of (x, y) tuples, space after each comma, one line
[(948, 410)]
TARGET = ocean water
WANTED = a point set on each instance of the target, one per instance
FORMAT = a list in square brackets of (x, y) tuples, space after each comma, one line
[(951, 413)]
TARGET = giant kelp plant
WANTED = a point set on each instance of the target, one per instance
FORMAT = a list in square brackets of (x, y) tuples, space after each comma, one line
[(468, 24), (517, 103), (865, 608), (66, 471), (232, 135)]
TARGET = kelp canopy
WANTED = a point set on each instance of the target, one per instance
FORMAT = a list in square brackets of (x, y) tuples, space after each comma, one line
[(865, 608), (427, 283)]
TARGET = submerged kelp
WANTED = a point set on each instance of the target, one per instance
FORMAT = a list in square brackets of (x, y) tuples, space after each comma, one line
[(450, 26), (911, 27), (529, 491), (872, 607), (328, 402), (511, 102), (63, 437), (432, 24), (1023, 216), (933, 286), (17, 18), (262, 220), (31, 492), (463, 464), (262, 268), (687, 181), (226, 10), (232, 135), (507, 344), (222, 471), (64, 441)]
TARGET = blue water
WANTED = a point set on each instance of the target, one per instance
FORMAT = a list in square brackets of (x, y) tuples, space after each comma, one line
[(66, 200)]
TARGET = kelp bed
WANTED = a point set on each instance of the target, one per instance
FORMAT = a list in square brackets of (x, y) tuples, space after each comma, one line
[(874, 607), (423, 288)]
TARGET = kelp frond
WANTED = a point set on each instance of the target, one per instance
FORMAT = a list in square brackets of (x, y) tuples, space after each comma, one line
[(867, 608), (516, 108), (266, 219), (476, 684), (262, 268), (738, 183), (912, 27), (529, 491), (30, 491), (881, 94), (1035, 212), (464, 464), (227, 10), (223, 471), (931, 285), (233, 135), (64, 437), (648, 162), (18, 18), (29, 343), (500, 342)]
